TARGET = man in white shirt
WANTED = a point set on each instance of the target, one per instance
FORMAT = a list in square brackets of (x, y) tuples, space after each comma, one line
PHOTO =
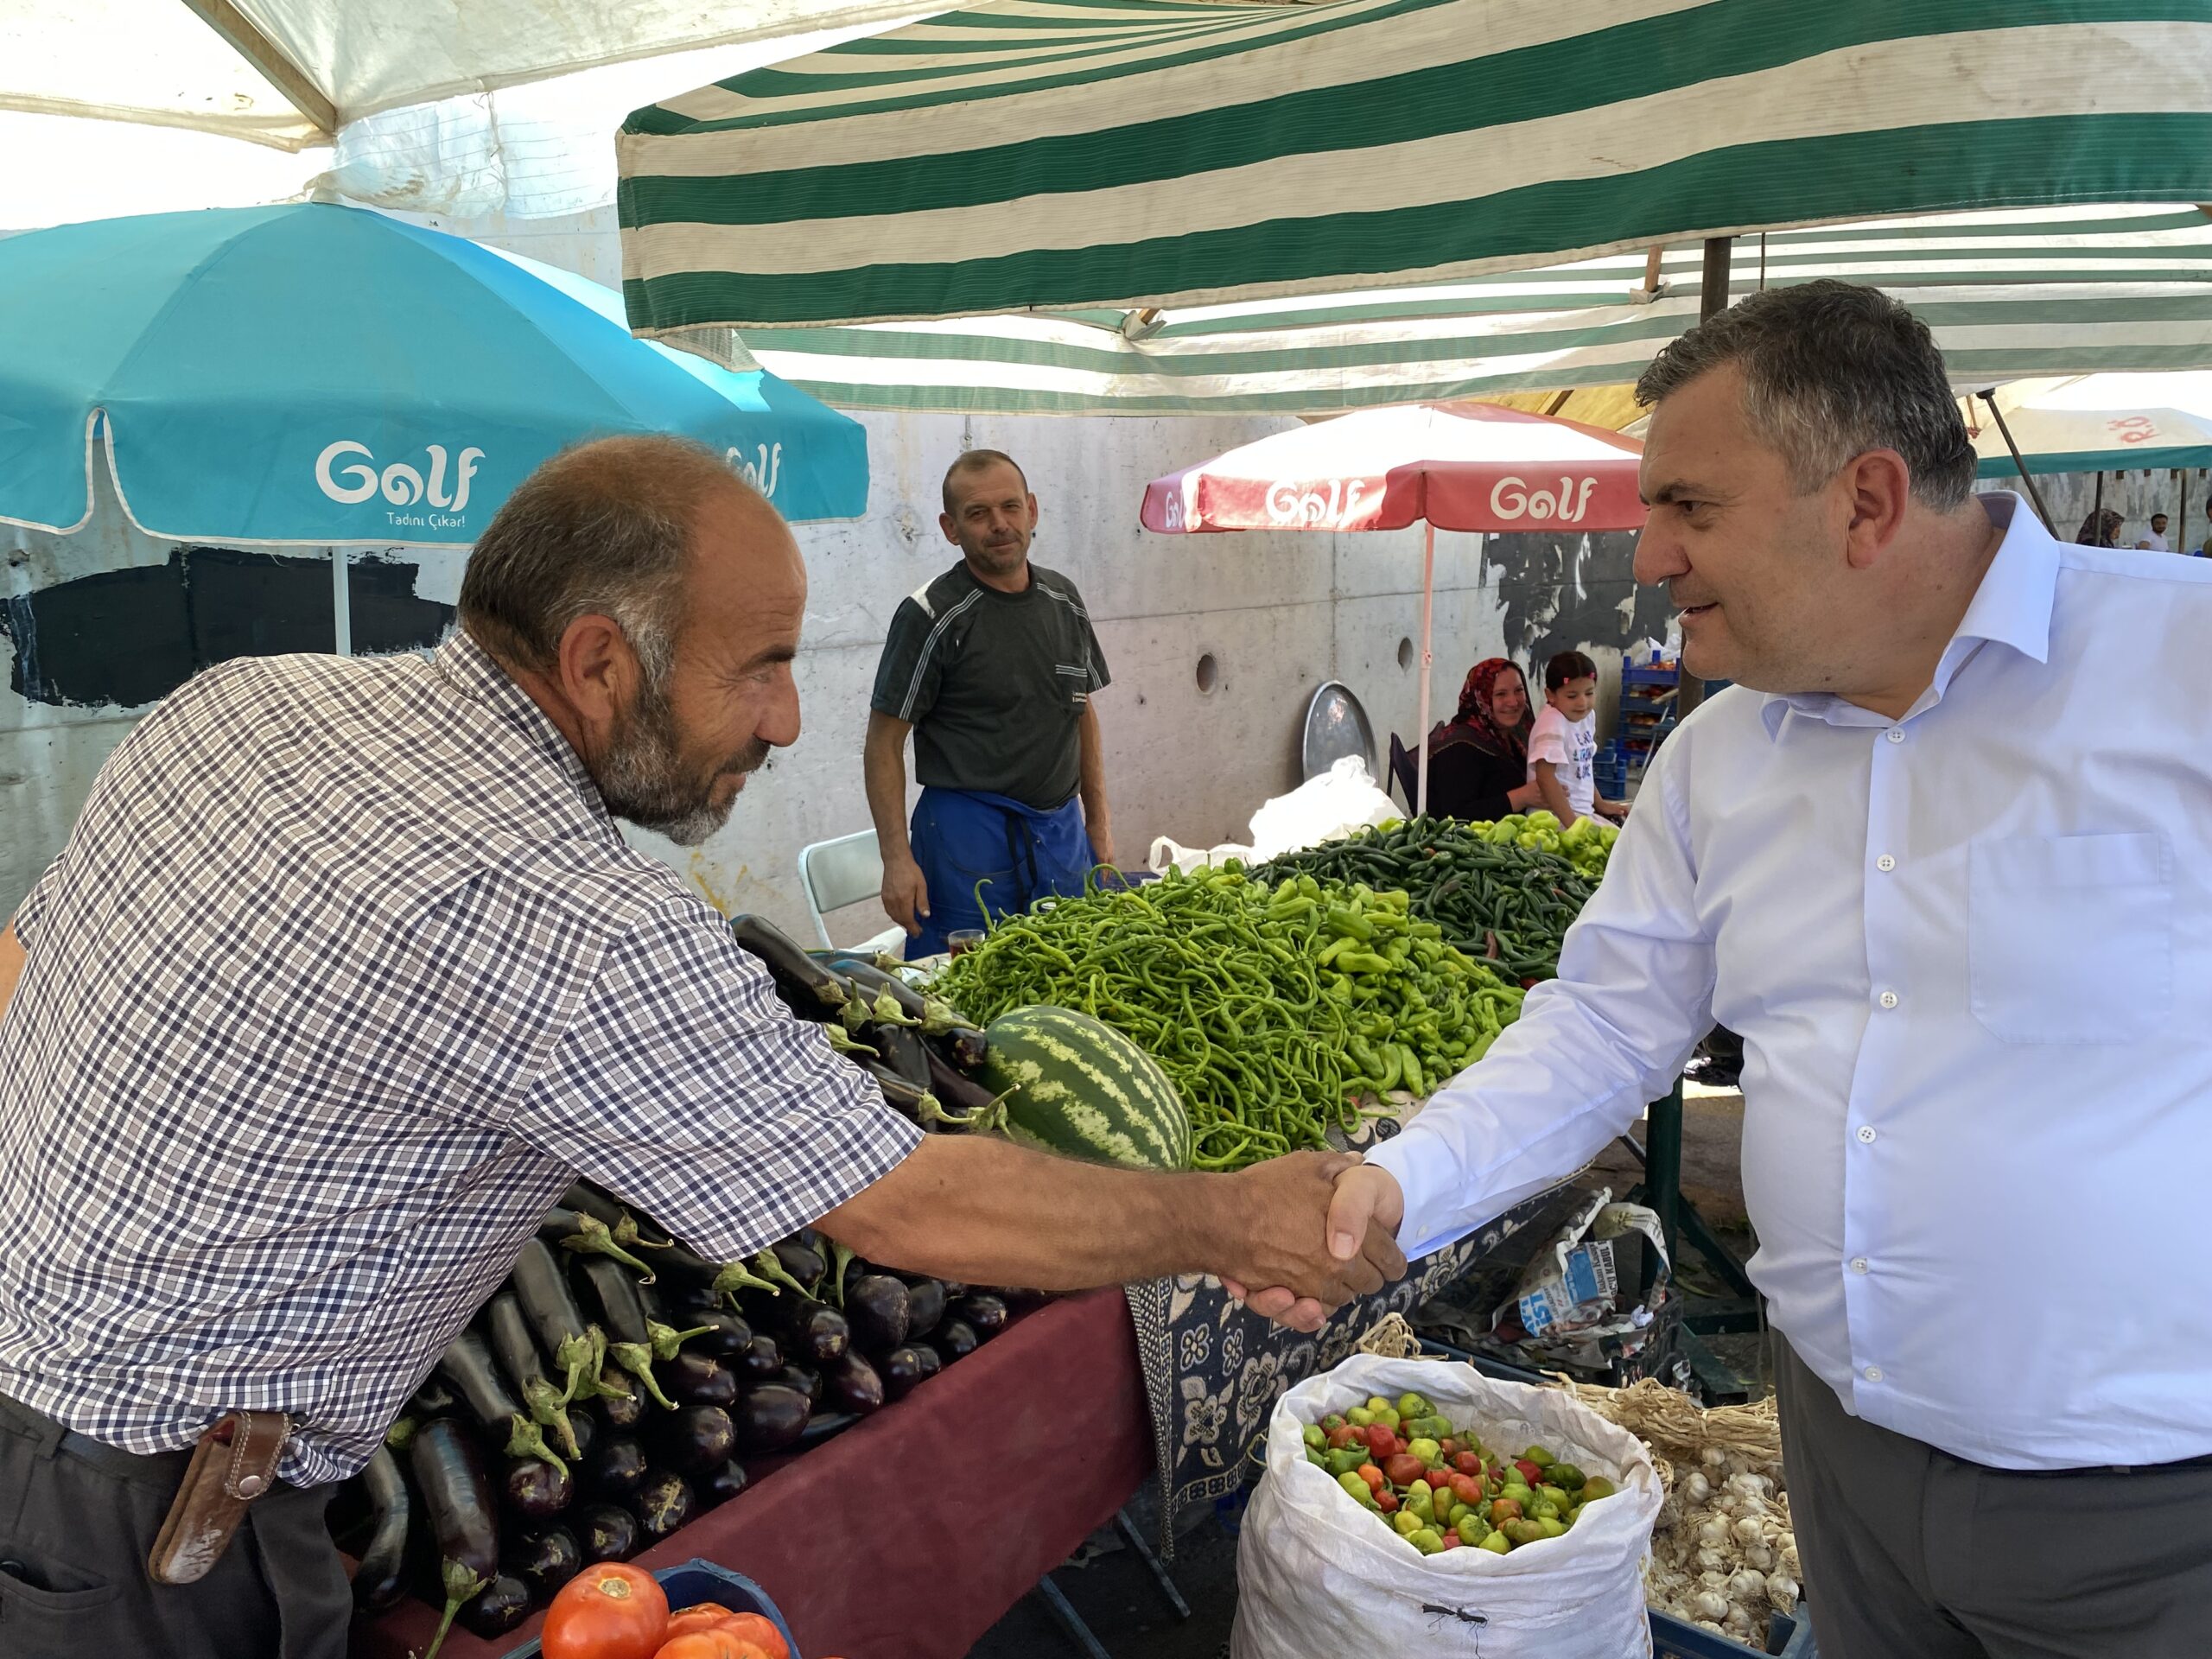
[(1929, 858), (2156, 540)]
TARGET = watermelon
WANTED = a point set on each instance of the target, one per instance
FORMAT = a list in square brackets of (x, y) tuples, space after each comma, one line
[(1075, 1086)]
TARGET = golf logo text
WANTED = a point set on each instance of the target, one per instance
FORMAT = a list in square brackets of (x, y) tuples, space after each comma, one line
[(764, 474), (401, 484), (1329, 506), (1510, 498)]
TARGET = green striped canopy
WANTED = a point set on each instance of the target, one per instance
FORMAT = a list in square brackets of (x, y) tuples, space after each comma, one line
[(2046, 291), (1066, 154)]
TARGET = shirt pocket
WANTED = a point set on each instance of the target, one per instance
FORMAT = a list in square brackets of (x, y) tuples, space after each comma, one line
[(1073, 680), (2069, 938)]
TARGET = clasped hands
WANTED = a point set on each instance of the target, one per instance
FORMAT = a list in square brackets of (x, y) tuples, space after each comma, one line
[(1308, 1233)]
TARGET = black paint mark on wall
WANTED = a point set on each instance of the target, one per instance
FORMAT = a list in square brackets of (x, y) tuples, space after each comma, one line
[(130, 637), (1572, 593)]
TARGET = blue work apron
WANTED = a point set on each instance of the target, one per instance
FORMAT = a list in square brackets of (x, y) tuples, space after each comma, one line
[(962, 837)]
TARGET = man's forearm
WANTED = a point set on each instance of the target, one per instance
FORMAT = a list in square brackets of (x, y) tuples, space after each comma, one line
[(983, 1211), (884, 768), (1091, 752), (12, 966)]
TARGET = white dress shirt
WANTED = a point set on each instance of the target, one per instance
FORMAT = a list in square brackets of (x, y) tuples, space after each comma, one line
[(1968, 955)]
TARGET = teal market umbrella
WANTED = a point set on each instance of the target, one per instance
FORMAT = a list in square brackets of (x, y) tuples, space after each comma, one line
[(321, 374)]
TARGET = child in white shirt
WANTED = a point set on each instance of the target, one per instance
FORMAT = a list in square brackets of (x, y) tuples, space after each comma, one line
[(1563, 746)]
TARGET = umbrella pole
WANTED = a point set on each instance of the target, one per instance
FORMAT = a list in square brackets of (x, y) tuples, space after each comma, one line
[(1427, 620), (2034, 495), (342, 604)]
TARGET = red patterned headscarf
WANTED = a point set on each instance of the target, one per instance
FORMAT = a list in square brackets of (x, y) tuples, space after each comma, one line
[(1475, 719)]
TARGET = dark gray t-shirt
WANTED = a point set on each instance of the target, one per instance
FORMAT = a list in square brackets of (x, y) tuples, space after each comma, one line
[(993, 684)]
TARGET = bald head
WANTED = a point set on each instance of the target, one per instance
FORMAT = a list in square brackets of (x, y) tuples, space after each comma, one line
[(607, 528)]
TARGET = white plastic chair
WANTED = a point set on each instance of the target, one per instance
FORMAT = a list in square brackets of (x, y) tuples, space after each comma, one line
[(843, 872)]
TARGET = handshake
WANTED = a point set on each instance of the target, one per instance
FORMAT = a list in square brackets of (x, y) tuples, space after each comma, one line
[(1301, 1235)]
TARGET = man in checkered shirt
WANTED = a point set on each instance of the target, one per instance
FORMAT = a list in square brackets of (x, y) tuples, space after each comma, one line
[(345, 973)]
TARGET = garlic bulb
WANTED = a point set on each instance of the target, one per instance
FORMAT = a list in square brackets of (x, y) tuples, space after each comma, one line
[(1782, 1592), (1713, 1531), (1759, 1557), (1748, 1530), (1750, 1485), (1695, 1488), (1738, 1624), (1714, 1457), (1710, 1559), (1747, 1584), (1708, 1604)]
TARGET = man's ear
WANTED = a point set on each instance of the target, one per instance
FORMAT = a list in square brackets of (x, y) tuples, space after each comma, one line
[(1878, 490), (597, 671)]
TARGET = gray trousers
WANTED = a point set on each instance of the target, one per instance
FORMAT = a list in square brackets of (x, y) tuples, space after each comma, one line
[(1911, 1553), (77, 1520)]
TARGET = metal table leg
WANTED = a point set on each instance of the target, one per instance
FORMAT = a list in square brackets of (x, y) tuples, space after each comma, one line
[(1070, 1620), (1159, 1572)]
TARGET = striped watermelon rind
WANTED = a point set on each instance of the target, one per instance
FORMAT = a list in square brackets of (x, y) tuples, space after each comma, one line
[(1075, 1086)]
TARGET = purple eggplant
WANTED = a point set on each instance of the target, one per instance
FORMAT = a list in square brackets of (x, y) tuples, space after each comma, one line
[(955, 1339), (984, 1315), (621, 1402), (803, 1380), (722, 1335), (498, 1608), (770, 1417), (544, 1561), (692, 1379), (925, 1305), (814, 1334), (808, 988), (902, 1369), (382, 1579), (854, 1385), (762, 1358), (1018, 1301), (457, 1495), (720, 1486), (662, 1505), (880, 1310), (534, 1490), (805, 1263), (615, 1467), (605, 1533), (691, 1440)]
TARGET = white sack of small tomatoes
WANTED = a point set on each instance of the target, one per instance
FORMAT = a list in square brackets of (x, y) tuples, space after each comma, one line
[(1557, 1574)]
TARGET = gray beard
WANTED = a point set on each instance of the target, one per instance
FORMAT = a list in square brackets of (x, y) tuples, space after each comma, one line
[(641, 779)]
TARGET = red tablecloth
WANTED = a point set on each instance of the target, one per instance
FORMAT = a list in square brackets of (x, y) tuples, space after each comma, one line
[(908, 1535)]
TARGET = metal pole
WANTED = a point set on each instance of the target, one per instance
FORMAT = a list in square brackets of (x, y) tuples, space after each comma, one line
[(2097, 515), (342, 604), (1711, 301), (1427, 617), (2034, 494)]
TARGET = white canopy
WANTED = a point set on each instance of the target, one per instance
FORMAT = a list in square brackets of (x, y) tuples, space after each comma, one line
[(289, 73)]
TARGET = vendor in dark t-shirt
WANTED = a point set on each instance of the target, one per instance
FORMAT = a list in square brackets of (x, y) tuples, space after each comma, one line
[(991, 667)]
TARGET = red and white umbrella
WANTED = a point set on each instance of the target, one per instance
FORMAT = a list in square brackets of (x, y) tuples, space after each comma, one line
[(1460, 465)]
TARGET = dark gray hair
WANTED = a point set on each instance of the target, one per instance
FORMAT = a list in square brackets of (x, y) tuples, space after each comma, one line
[(600, 529), (980, 460), (1832, 370)]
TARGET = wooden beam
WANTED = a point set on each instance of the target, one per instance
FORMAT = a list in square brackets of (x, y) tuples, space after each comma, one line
[(249, 42)]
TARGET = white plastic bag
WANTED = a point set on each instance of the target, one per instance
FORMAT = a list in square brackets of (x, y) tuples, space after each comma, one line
[(1319, 1575), (1169, 853), (1327, 808)]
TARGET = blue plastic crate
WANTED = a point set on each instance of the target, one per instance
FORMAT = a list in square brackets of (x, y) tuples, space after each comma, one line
[(1674, 1638), (695, 1581)]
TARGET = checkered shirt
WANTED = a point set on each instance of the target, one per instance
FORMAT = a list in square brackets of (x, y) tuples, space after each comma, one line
[(343, 976)]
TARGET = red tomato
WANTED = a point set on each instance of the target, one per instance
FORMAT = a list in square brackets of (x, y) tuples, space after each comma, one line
[(1466, 1489), (1468, 1464), (710, 1644), (612, 1611), (1452, 1540), (1404, 1469), (759, 1630), (1372, 1476), (1340, 1436), (1529, 1471), (700, 1616), (1387, 1501), (1449, 1447), (1380, 1441)]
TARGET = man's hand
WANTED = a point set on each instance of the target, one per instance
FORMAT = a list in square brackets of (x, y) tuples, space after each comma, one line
[(1294, 1228), (1102, 842), (906, 895), (1365, 1207)]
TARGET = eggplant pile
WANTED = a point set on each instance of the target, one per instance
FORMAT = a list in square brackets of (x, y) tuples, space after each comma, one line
[(616, 1387), (923, 1053)]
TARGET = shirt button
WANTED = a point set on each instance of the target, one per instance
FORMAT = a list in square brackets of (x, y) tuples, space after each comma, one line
[(1866, 1134), (1858, 1264), (1896, 735), (1889, 999), (1885, 863), (1873, 1373)]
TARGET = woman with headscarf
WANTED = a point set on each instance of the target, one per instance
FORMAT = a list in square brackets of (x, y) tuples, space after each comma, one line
[(1479, 759)]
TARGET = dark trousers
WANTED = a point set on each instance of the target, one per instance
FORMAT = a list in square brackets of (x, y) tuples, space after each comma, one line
[(77, 1520), (1911, 1553)]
